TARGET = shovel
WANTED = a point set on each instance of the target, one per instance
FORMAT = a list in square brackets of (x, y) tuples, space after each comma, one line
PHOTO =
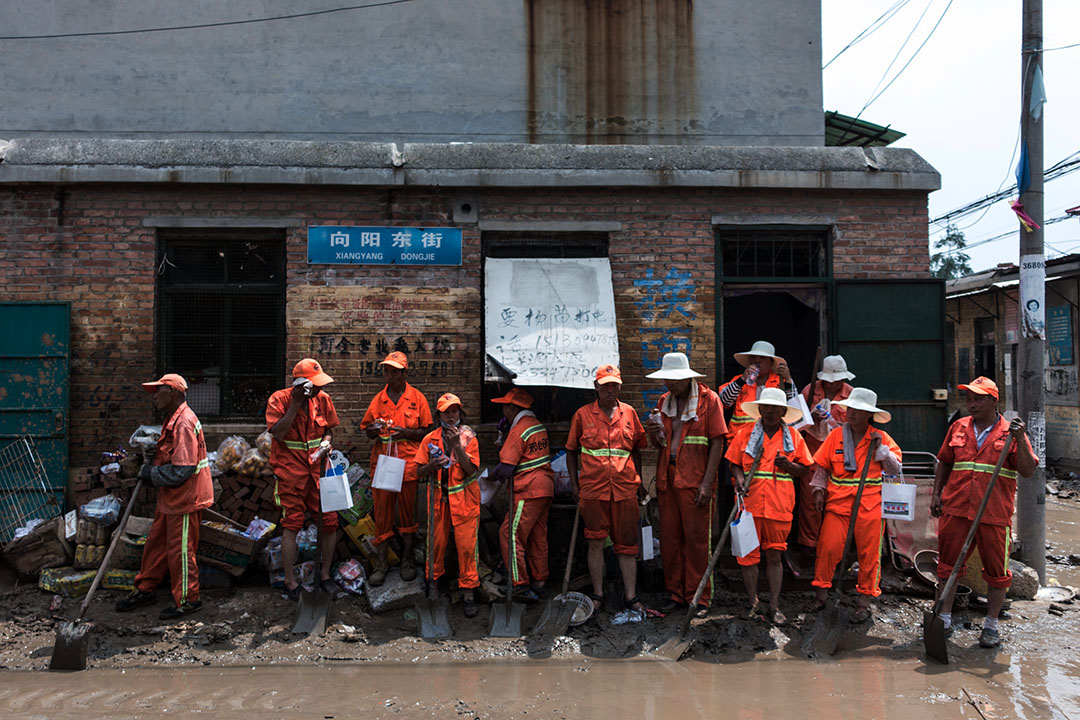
[(559, 610), (69, 650), (677, 645), (933, 625), (506, 618), (433, 612), (833, 620), (314, 604)]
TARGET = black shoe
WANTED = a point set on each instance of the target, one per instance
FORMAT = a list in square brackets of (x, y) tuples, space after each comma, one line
[(136, 599), (701, 611), (172, 612), (468, 604), (671, 606), (329, 586)]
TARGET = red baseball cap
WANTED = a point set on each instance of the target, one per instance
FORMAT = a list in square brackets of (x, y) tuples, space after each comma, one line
[(171, 379), (396, 359), (311, 370), (516, 396), (981, 386), (447, 400), (608, 374)]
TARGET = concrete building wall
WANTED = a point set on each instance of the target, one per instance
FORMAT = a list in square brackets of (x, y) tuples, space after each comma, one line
[(91, 245), (710, 72)]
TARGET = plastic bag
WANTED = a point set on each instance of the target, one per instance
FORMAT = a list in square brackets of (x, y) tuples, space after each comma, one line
[(350, 576), (263, 442), (104, 510), (215, 469), (145, 437), (259, 527), (231, 450), (563, 486), (252, 463), (25, 529)]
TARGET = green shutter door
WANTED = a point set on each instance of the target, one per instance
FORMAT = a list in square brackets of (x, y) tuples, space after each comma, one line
[(891, 332)]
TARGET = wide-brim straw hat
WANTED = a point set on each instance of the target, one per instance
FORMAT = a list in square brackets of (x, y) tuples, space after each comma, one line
[(865, 399), (761, 349), (676, 366), (834, 368), (775, 397)]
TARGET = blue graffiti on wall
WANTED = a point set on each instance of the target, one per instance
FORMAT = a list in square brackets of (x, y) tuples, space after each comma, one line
[(664, 305)]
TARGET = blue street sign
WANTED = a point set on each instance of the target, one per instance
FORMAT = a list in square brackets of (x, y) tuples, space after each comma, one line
[(384, 245)]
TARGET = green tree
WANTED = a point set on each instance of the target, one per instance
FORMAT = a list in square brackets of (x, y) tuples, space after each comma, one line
[(950, 261)]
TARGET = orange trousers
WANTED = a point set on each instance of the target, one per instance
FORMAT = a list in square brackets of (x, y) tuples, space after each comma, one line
[(685, 543), (170, 550), (809, 518), (869, 529), (528, 561), (403, 503), (465, 531)]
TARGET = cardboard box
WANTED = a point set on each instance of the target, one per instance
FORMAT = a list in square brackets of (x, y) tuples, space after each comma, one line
[(119, 580), (362, 534), (44, 547), (66, 581), (225, 550)]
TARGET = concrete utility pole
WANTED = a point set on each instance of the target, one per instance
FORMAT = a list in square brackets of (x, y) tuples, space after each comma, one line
[(1031, 492)]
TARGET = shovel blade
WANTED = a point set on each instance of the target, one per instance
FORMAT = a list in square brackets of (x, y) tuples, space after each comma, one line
[(555, 620), (829, 627), (434, 618), (69, 650), (506, 620), (934, 638), (311, 613), (678, 644)]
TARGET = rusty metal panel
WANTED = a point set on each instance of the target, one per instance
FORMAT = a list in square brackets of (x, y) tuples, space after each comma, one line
[(34, 380), (892, 334)]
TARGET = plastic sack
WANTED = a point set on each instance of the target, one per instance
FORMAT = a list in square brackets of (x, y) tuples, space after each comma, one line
[(263, 443), (145, 437), (252, 463), (259, 527), (563, 486), (350, 576), (104, 510), (25, 529), (231, 450), (215, 469)]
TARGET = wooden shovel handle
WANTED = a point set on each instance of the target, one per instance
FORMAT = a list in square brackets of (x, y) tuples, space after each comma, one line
[(573, 544), (109, 553)]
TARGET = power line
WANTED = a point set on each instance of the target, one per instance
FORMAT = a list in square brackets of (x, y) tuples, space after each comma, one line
[(225, 23), (870, 29), (1003, 235), (1060, 47)]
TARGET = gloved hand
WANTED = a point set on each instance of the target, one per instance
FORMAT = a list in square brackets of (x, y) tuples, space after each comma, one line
[(883, 453), (144, 471)]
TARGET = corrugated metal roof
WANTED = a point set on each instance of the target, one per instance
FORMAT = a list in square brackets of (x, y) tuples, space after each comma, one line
[(841, 130)]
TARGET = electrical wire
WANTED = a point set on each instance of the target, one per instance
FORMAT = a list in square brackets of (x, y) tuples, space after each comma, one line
[(1002, 236), (225, 23), (1060, 47), (870, 29)]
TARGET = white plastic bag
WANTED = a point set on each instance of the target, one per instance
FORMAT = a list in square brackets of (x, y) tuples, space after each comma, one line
[(898, 501), (104, 510), (744, 539)]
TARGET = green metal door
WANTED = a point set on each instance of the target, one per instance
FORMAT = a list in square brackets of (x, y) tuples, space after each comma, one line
[(34, 370), (891, 332)]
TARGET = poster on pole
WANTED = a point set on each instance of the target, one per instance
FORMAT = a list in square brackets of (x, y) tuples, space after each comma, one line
[(551, 321), (1033, 296)]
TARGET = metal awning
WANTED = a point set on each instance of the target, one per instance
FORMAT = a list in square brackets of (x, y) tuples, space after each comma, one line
[(841, 130)]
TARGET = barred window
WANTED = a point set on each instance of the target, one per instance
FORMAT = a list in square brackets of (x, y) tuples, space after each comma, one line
[(773, 252)]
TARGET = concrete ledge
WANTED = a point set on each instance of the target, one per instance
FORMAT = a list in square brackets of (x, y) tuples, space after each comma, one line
[(221, 222), (39, 160)]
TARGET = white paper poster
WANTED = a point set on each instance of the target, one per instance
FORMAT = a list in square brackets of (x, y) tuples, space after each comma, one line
[(551, 321), (1033, 295)]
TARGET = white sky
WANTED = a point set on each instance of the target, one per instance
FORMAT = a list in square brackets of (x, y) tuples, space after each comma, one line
[(959, 102)]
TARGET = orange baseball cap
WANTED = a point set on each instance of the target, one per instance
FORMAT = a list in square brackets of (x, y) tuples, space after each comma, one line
[(516, 396), (171, 379), (981, 386), (311, 370), (396, 359), (447, 401), (608, 374)]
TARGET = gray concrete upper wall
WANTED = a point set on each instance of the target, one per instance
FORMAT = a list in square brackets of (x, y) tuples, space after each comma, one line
[(704, 72)]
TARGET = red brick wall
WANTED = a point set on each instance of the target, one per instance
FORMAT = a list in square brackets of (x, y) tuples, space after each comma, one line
[(97, 255)]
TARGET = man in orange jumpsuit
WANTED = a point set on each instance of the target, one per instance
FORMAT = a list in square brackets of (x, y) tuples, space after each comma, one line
[(603, 457), (770, 493), (525, 460), (688, 428), (764, 368), (456, 493), (820, 395), (840, 461), (181, 472), (301, 420), (398, 418), (966, 462)]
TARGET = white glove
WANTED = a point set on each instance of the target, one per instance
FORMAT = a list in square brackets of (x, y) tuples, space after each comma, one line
[(884, 452)]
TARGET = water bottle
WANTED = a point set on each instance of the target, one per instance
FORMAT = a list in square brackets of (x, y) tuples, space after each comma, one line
[(437, 454), (753, 370), (823, 409), (654, 417)]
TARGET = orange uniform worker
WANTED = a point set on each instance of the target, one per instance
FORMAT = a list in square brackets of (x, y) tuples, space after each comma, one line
[(525, 457), (398, 418), (840, 461), (820, 395), (770, 493), (764, 368), (181, 472), (689, 431), (458, 495), (301, 420), (603, 457), (966, 462)]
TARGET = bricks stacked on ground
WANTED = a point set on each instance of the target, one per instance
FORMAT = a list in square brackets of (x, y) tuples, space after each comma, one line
[(86, 484), (243, 497)]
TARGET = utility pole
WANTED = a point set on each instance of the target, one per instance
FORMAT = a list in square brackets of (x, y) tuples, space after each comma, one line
[(1031, 492)]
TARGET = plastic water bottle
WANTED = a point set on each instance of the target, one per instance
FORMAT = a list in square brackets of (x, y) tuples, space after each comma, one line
[(437, 454), (753, 370), (654, 417), (823, 409)]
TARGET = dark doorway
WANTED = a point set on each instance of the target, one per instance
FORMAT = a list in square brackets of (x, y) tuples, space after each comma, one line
[(789, 319)]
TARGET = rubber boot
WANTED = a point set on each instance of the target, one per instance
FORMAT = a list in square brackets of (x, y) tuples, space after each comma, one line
[(408, 563), (378, 575)]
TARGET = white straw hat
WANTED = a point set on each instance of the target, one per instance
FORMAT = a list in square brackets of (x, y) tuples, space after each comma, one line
[(834, 368), (865, 399), (772, 396), (676, 366), (760, 348)]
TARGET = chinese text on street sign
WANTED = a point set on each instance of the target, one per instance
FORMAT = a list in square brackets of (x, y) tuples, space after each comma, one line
[(384, 245)]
